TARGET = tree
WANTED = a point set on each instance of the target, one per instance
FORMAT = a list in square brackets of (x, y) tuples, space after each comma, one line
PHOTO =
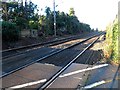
[(42, 25), (8, 9), (19, 14), (48, 12), (9, 31), (71, 12), (49, 22)]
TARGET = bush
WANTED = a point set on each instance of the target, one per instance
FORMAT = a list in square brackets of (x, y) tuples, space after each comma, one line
[(115, 41), (33, 25), (9, 31), (111, 47)]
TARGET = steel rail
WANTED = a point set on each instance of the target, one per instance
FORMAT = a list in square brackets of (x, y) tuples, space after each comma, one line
[(49, 43), (47, 56), (38, 44), (54, 77)]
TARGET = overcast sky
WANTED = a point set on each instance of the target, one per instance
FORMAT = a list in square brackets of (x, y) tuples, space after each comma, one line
[(97, 13)]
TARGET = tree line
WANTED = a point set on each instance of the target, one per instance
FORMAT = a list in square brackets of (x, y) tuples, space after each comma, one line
[(17, 17)]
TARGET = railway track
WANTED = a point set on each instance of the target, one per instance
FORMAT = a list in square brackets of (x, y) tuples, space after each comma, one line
[(59, 60), (54, 77), (18, 62), (24, 49), (72, 76), (19, 50)]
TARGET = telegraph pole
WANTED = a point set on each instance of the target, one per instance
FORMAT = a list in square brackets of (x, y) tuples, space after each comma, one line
[(54, 18)]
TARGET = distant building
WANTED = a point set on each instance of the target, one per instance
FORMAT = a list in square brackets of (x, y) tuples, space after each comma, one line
[(29, 33)]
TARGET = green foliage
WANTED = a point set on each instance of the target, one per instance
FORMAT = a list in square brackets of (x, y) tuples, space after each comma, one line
[(48, 12), (115, 41), (26, 17), (112, 41), (65, 23), (85, 27), (33, 25), (20, 22), (9, 31), (49, 22), (71, 12), (19, 14)]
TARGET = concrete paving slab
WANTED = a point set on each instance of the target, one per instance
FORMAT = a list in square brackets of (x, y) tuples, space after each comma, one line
[(38, 71), (31, 74), (70, 81), (12, 80), (105, 74)]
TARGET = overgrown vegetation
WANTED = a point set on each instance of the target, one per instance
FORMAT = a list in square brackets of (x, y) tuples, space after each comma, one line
[(25, 16), (9, 31), (111, 46)]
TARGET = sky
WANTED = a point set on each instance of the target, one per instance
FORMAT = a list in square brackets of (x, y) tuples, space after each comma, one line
[(96, 13)]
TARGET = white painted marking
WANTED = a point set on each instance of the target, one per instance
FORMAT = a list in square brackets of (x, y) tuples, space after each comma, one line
[(49, 64), (94, 84), (83, 70), (77, 78), (28, 84)]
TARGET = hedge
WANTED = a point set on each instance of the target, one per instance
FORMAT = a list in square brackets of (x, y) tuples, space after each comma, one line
[(9, 31)]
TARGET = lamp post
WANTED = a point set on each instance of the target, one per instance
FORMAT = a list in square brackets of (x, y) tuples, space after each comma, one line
[(54, 18)]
